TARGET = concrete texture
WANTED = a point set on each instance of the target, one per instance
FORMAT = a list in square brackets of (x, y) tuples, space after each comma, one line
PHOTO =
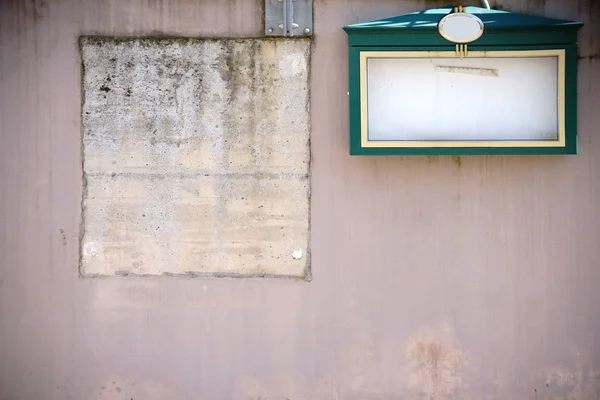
[(195, 156), (442, 277)]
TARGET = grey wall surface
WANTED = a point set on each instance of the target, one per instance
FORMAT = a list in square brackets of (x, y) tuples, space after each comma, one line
[(432, 277)]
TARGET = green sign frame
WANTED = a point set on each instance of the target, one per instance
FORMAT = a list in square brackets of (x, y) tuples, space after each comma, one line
[(505, 35)]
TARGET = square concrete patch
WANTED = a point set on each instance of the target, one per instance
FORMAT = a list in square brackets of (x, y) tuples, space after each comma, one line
[(195, 157)]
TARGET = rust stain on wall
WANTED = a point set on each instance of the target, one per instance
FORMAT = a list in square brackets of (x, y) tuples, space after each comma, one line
[(436, 365)]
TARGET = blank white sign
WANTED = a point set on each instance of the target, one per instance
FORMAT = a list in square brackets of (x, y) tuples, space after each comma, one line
[(473, 99)]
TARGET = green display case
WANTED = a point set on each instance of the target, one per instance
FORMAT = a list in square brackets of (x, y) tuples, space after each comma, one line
[(463, 81)]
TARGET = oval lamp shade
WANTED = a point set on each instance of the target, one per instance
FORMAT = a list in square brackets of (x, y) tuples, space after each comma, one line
[(461, 27)]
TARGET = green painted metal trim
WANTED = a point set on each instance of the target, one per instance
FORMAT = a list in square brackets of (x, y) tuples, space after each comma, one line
[(354, 99), (571, 67), (489, 38), (570, 106), (429, 19), (501, 28), (461, 151)]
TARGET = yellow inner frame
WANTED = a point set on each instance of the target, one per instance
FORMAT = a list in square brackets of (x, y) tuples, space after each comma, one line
[(365, 55)]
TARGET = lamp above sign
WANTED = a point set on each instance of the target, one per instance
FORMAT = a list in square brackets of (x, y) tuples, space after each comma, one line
[(463, 81), (460, 27)]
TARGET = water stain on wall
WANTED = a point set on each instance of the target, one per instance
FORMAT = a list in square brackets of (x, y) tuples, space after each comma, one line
[(283, 385), (563, 383), (133, 389)]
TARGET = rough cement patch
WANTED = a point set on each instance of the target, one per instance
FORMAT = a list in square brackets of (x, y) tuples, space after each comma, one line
[(196, 157)]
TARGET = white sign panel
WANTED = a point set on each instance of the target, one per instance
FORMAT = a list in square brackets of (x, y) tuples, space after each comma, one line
[(470, 99)]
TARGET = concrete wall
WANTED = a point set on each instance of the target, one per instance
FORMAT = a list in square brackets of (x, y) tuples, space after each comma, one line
[(433, 277)]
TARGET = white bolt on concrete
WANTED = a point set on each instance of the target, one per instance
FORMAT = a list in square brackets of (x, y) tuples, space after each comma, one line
[(297, 254)]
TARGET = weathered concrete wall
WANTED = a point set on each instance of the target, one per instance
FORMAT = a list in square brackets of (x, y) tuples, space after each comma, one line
[(439, 278), (195, 156)]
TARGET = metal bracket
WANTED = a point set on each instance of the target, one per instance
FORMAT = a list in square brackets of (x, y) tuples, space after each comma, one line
[(462, 51), (288, 18)]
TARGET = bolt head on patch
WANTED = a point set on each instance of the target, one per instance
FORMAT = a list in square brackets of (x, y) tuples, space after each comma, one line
[(297, 254)]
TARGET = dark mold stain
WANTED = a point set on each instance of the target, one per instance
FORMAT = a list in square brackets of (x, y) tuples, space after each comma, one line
[(439, 3), (534, 7), (104, 89), (500, 7), (38, 9), (164, 40), (593, 29), (63, 237), (226, 65)]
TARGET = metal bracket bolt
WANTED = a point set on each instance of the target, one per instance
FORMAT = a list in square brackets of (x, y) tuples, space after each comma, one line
[(288, 17)]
